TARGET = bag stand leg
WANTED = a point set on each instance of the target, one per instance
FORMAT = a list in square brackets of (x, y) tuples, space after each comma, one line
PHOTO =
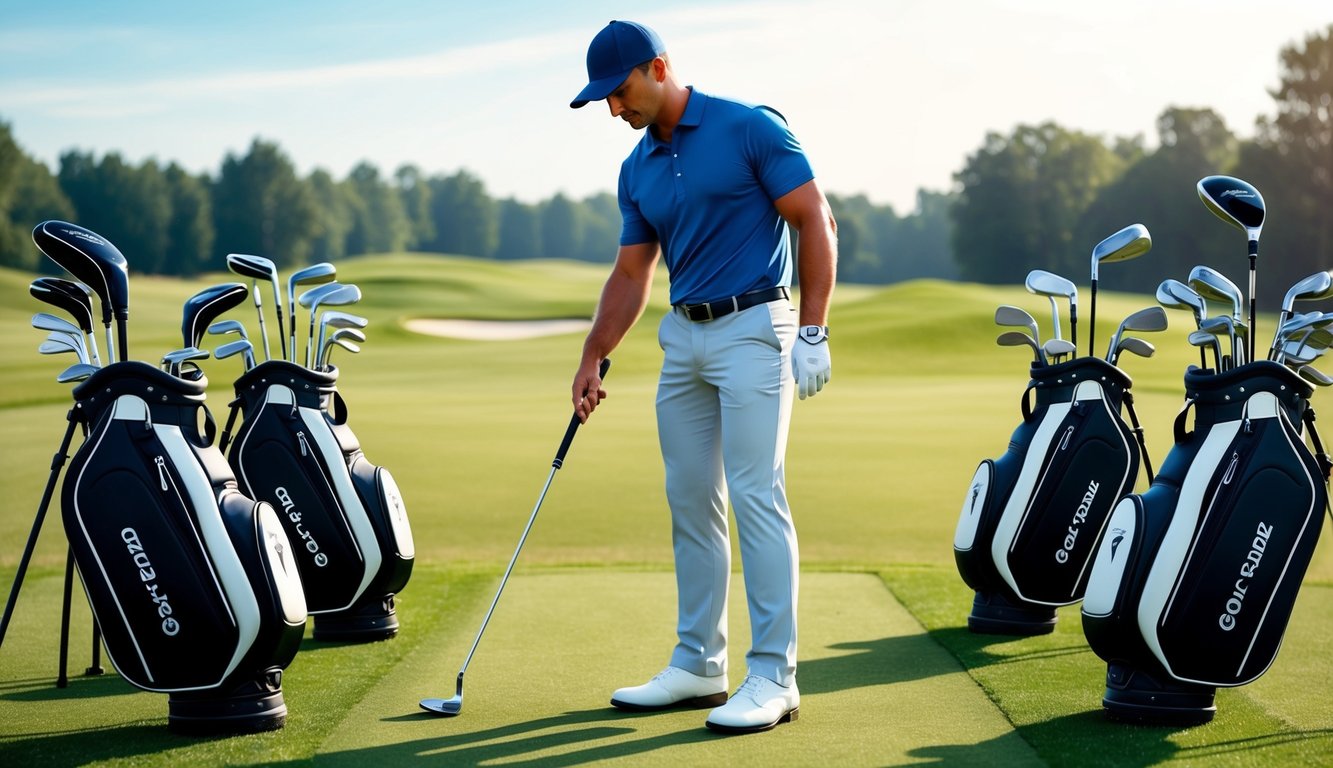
[(1133, 695), (994, 614)]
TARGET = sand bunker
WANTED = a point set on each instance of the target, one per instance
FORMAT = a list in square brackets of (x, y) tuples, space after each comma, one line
[(497, 330)]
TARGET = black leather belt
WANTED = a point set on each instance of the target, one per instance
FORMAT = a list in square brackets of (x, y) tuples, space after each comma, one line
[(712, 310)]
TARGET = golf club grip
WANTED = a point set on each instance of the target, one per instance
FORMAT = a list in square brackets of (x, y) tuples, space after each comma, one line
[(574, 423)]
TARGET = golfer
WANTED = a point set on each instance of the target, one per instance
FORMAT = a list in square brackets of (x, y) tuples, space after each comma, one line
[(715, 185)]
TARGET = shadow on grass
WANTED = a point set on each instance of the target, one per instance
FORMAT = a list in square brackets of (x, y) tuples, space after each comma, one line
[(877, 662), (80, 687), (92, 745), (511, 743), (974, 650)]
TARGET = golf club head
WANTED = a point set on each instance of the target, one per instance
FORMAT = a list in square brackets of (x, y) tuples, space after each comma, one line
[(353, 334), (1129, 243), (1173, 294), (1054, 348), (90, 258), (67, 295), (58, 342), (446, 707), (335, 320), (253, 267), (224, 327), (240, 346), (1019, 339), (76, 372), (1215, 286), (1234, 201), (1148, 319), (45, 321), (1010, 316), (314, 274), (1314, 376), (327, 352), (1050, 285), (332, 294), (1135, 345), (172, 361), (203, 308), (1312, 288)]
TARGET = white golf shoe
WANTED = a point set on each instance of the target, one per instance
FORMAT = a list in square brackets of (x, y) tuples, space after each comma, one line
[(758, 705), (672, 687)]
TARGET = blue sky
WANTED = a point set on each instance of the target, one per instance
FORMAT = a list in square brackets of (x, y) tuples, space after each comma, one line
[(887, 96)]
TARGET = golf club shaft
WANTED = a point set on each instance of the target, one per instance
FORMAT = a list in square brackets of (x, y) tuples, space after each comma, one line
[(259, 309), (277, 306), (1092, 321), (1254, 253), (555, 465)]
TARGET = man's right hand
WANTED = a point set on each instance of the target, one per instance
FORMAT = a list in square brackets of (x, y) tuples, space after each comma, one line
[(587, 389)]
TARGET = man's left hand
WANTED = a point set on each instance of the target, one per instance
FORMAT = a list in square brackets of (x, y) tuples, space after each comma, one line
[(810, 361)]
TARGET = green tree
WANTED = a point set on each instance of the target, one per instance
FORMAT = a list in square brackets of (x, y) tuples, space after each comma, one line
[(1021, 197), (466, 218), (414, 190), (519, 231), (190, 226), (561, 228), (128, 205), (379, 225), (1158, 191), (29, 195), (1291, 163), (600, 214), (336, 205), (261, 207)]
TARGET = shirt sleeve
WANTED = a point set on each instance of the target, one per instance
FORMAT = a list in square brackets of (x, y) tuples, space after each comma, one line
[(777, 157), (634, 228)]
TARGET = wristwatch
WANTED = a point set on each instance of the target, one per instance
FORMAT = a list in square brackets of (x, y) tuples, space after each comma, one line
[(814, 334)]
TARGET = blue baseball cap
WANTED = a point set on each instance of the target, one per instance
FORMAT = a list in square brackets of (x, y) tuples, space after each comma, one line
[(613, 54)]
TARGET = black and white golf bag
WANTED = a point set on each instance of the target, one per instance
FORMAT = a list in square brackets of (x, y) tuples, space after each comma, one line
[(1194, 584), (1032, 518), (192, 582), (345, 515)]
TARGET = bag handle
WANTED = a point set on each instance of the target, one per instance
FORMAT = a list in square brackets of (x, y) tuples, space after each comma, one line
[(1138, 434), (1320, 455), (1024, 405), (1181, 434), (235, 406), (337, 408)]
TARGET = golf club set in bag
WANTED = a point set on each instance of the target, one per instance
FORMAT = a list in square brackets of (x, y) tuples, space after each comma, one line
[(1189, 585), (199, 566)]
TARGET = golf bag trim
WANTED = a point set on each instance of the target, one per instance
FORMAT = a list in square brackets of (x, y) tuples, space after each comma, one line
[(349, 507), (1034, 474), (1162, 585)]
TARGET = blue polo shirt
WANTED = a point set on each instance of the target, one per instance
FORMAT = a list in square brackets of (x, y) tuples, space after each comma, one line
[(707, 198)]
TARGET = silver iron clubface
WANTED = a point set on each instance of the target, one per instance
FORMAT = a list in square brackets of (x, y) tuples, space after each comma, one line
[(314, 274), (1129, 243)]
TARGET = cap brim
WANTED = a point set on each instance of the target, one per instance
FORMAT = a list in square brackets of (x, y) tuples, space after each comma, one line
[(599, 89)]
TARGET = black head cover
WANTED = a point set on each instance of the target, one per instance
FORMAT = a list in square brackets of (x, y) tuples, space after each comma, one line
[(205, 306), (1233, 200), (67, 295), (92, 259)]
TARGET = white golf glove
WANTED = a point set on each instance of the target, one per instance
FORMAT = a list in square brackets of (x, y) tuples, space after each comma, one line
[(810, 362)]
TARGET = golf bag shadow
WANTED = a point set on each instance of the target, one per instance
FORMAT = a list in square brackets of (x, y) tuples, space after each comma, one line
[(1193, 587), (353, 541), (192, 583), (1032, 518)]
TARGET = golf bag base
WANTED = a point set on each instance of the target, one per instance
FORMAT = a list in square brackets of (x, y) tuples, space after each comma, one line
[(1135, 696), (254, 706), (374, 620), (993, 614)]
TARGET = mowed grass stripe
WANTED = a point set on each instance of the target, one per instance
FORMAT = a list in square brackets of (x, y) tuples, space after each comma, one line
[(875, 690)]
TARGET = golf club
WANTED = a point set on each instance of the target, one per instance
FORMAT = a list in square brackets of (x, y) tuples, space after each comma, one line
[(1020, 339), (1224, 324), (335, 319), (1133, 345), (95, 262), (1129, 243), (1205, 339), (347, 338), (1313, 288), (205, 306), (259, 268), (453, 706), (1239, 204), (74, 298), (1012, 317), (59, 343), (1148, 319), (76, 372), (224, 327), (315, 274), (332, 294), (1314, 376), (171, 361), (240, 345), (1173, 294), (1054, 349), (1050, 285)]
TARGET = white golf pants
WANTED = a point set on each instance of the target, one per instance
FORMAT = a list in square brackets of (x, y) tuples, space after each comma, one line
[(723, 409)]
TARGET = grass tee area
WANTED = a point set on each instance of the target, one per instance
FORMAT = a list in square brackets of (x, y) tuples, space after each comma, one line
[(877, 468)]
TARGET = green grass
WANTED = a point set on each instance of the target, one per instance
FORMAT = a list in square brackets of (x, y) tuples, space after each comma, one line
[(877, 467)]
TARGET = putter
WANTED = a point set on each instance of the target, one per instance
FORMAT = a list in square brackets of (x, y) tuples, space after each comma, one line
[(94, 261), (1129, 243), (315, 274), (257, 268), (453, 706), (1239, 204)]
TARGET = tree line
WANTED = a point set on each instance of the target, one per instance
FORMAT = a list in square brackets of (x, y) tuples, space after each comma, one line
[(1039, 196)]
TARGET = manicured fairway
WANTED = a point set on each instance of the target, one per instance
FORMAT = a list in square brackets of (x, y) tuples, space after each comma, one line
[(877, 468)]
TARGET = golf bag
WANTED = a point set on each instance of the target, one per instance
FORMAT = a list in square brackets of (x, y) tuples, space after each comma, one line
[(1032, 518), (346, 516), (1193, 586), (192, 583)]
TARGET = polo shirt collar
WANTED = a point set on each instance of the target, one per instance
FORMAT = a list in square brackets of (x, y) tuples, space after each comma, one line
[(694, 114)]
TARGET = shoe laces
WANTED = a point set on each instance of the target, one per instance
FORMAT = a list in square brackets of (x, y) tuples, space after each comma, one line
[(752, 685)]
